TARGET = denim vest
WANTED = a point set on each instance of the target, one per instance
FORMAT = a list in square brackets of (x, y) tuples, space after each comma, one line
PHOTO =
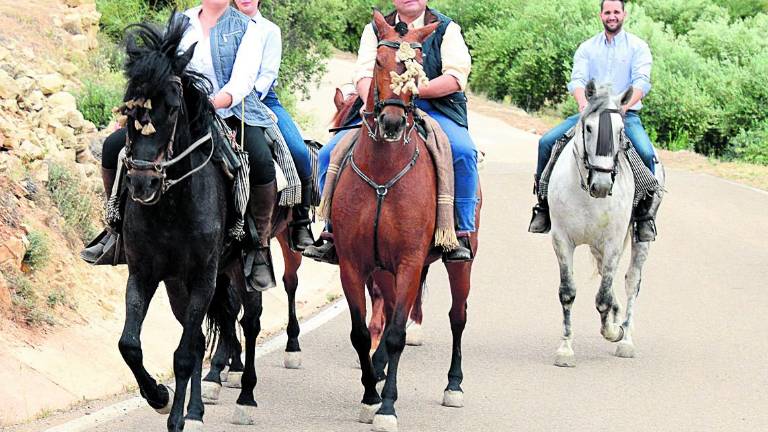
[(225, 40), (453, 106)]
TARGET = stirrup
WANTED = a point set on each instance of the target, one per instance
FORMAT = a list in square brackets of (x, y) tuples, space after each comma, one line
[(648, 237), (105, 249), (324, 250), (258, 269), (540, 221), (462, 253)]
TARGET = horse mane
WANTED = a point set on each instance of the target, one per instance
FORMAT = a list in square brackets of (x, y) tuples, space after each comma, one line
[(153, 58)]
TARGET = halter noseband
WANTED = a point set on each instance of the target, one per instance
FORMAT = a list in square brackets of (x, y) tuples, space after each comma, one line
[(165, 159)]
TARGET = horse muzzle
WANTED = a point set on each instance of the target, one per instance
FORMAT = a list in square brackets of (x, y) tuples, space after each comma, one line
[(146, 188), (392, 127), (600, 184)]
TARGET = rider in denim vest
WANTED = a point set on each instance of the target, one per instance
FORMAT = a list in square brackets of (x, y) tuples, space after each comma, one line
[(622, 59)]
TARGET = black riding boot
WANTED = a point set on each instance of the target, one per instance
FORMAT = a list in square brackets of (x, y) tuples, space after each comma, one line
[(540, 223), (644, 216), (299, 228), (96, 249), (323, 250), (462, 252), (258, 263)]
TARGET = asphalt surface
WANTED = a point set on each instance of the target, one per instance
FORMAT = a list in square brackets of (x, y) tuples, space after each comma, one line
[(700, 333)]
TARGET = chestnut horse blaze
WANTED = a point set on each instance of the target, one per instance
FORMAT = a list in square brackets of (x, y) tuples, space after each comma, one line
[(405, 231)]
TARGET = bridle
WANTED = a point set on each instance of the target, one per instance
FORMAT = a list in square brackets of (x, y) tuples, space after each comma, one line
[(379, 105), (591, 168), (165, 159)]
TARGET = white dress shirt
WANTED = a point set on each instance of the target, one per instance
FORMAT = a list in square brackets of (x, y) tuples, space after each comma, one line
[(245, 69), (272, 55), (454, 52)]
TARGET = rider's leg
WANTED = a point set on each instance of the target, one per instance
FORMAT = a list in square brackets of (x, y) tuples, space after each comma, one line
[(300, 233), (540, 222), (466, 183), (109, 155), (324, 250), (261, 203), (644, 214)]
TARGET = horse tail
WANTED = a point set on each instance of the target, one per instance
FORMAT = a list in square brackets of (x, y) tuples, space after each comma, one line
[(221, 312)]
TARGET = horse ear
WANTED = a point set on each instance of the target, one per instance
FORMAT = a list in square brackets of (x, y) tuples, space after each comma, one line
[(424, 32), (627, 96), (590, 90), (381, 23), (184, 59), (338, 99)]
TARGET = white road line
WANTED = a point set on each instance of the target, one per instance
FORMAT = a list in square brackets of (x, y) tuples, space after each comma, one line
[(122, 408)]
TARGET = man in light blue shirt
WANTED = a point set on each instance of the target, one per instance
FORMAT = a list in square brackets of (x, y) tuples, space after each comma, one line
[(622, 59)]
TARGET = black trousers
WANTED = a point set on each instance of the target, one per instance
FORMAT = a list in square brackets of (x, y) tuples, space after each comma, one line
[(259, 154)]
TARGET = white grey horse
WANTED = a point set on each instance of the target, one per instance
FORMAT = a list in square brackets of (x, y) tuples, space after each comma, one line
[(591, 191)]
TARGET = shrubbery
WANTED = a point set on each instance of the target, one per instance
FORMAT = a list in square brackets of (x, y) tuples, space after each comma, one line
[(79, 210)]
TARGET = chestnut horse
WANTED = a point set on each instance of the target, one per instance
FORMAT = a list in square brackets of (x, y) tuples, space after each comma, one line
[(396, 251)]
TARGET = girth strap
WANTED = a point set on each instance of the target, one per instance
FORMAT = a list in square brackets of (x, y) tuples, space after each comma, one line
[(381, 192)]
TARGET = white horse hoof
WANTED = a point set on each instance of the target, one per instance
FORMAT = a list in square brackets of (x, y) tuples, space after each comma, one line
[(292, 360), (235, 380), (565, 359), (613, 332), (211, 391), (243, 414), (193, 426), (224, 374), (167, 408), (625, 349), (453, 399), (414, 335), (384, 423), (367, 412)]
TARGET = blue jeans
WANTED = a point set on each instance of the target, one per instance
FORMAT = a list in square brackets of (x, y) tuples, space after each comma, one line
[(292, 136), (464, 165), (633, 127)]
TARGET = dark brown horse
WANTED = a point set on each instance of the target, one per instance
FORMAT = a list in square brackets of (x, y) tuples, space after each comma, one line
[(397, 252)]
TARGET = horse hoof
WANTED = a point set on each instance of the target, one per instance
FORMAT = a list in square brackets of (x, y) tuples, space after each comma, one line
[(243, 414), (234, 380), (414, 335), (384, 423), (625, 350), (565, 359), (167, 408), (613, 332), (453, 399), (367, 412), (224, 374), (292, 360), (193, 426), (211, 391)]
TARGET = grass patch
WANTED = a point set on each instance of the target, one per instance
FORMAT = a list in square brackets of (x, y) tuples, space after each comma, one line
[(78, 209), (26, 300), (99, 95), (38, 251)]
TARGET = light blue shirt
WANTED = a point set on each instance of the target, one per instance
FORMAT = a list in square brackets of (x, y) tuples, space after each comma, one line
[(624, 62), (271, 56)]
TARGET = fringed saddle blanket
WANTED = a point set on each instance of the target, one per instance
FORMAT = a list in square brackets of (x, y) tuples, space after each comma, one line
[(439, 148), (646, 183)]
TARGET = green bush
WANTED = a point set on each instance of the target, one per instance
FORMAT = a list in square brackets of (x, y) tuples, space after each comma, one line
[(744, 8), (734, 42), (344, 20), (470, 15), (116, 15), (680, 15), (78, 209), (25, 299), (751, 146), (98, 96), (38, 251)]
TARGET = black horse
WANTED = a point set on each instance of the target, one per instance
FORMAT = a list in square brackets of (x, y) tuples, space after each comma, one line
[(175, 225)]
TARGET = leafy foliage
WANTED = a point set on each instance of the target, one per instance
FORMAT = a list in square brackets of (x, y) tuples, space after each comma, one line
[(78, 210), (38, 251)]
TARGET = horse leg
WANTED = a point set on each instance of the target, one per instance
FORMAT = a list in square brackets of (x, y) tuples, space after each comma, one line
[(414, 335), (407, 284), (212, 381), (459, 276), (605, 301), (625, 347), (292, 357), (385, 284), (138, 295), (564, 356), (192, 344), (195, 408), (251, 324), (352, 280), (378, 320)]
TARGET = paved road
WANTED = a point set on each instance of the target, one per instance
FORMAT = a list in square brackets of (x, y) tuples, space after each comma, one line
[(701, 333)]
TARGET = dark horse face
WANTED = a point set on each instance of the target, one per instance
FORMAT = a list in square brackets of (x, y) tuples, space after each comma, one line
[(154, 106), (394, 79)]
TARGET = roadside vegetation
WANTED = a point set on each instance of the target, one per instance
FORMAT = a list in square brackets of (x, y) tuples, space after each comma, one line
[(709, 74)]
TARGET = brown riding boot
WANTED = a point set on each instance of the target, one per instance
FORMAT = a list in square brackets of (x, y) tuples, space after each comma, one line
[(96, 248), (258, 266), (300, 233)]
